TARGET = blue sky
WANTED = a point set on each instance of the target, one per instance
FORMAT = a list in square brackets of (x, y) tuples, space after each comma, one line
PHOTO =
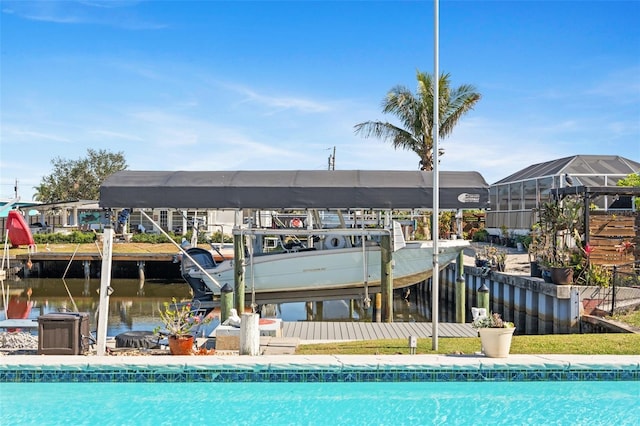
[(212, 85)]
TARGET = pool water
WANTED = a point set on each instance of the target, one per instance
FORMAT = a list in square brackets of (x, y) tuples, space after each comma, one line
[(337, 403)]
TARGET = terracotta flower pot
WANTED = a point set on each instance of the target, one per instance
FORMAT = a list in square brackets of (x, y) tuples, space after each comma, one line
[(496, 342), (562, 275), (181, 345)]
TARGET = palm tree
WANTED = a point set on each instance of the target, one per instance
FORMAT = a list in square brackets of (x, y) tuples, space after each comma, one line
[(416, 115)]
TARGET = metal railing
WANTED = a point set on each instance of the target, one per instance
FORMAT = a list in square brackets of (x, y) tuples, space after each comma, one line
[(625, 287)]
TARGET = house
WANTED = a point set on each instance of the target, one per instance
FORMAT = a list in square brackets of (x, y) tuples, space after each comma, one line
[(514, 199)]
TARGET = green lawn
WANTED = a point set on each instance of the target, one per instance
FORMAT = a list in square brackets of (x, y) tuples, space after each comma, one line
[(583, 344), (631, 318)]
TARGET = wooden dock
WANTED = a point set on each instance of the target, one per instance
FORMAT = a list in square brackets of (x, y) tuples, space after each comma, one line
[(329, 330), (88, 265), (116, 257)]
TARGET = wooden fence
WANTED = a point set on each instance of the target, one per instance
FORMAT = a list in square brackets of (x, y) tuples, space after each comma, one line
[(615, 238)]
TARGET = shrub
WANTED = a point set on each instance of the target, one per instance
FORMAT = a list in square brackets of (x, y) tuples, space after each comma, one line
[(481, 235), (72, 237)]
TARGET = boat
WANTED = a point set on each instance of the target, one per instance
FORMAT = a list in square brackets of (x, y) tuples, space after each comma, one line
[(331, 266), (322, 267), (18, 231), (219, 251)]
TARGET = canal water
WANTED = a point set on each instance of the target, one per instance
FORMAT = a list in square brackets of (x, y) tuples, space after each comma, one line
[(135, 305)]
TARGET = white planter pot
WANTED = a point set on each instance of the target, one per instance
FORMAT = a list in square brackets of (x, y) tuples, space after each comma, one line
[(496, 342)]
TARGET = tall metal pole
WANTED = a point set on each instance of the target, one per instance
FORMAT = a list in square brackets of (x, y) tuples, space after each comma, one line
[(436, 185)]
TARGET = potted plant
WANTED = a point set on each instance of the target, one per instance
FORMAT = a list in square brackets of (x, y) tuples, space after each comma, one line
[(491, 257), (560, 226), (181, 322), (495, 335)]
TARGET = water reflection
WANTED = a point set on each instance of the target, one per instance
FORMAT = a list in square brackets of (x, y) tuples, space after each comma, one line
[(134, 305)]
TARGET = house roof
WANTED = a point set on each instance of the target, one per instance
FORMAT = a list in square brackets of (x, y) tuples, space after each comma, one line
[(292, 189), (589, 169)]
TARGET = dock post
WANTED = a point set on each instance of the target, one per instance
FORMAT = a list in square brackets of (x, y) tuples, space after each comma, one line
[(238, 264), (483, 297), (319, 310), (226, 302), (250, 335), (105, 290), (377, 308), (309, 309), (386, 278), (460, 290), (86, 264), (141, 270)]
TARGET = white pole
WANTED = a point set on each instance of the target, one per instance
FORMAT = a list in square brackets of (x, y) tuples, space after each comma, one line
[(436, 185), (105, 289), (250, 335)]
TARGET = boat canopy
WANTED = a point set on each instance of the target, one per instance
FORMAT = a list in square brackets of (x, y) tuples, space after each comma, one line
[(293, 189)]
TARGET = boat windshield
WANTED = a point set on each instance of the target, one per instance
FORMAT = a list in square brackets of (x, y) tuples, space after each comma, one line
[(202, 257)]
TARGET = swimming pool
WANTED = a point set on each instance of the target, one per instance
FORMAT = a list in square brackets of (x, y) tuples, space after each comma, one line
[(337, 389), (336, 403)]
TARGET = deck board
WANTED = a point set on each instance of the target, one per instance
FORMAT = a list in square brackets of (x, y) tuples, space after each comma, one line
[(330, 330)]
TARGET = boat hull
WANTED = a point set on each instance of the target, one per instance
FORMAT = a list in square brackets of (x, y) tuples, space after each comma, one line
[(320, 271), (18, 230)]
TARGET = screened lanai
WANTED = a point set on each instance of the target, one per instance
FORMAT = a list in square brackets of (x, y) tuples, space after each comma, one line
[(514, 198)]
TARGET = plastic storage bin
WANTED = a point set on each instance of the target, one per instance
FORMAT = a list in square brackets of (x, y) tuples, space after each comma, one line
[(65, 333)]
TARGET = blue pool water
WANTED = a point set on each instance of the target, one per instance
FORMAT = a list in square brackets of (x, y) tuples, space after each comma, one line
[(417, 403)]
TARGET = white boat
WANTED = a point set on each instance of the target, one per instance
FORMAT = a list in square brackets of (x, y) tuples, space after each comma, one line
[(319, 272)]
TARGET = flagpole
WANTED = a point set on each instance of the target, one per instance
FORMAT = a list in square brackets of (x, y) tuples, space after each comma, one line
[(436, 184)]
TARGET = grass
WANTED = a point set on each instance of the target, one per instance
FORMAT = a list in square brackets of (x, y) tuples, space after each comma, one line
[(631, 318), (582, 344)]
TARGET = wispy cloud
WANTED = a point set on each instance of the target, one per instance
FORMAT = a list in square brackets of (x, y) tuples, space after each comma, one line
[(280, 103), (20, 135), (115, 135), (108, 13), (621, 86)]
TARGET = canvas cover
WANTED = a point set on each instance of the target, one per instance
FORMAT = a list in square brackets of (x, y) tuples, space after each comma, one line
[(292, 189)]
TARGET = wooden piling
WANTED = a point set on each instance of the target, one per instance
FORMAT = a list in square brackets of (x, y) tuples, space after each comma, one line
[(226, 302), (238, 264), (319, 310), (250, 334), (141, 270), (460, 290), (483, 297), (386, 278)]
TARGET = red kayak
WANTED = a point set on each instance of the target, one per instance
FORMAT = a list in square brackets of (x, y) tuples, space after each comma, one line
[(19, 232)]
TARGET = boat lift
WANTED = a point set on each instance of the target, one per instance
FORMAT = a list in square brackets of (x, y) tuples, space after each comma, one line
[(382, 190)]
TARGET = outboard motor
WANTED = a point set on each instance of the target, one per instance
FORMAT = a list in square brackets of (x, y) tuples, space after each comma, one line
[(204, 258)]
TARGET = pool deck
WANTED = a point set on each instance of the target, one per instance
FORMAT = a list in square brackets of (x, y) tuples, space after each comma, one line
[(319, 368), (445, 361), (373, 362), (278, 362)]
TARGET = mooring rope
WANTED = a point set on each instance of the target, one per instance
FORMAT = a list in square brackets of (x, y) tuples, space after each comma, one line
[(70, 260)]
